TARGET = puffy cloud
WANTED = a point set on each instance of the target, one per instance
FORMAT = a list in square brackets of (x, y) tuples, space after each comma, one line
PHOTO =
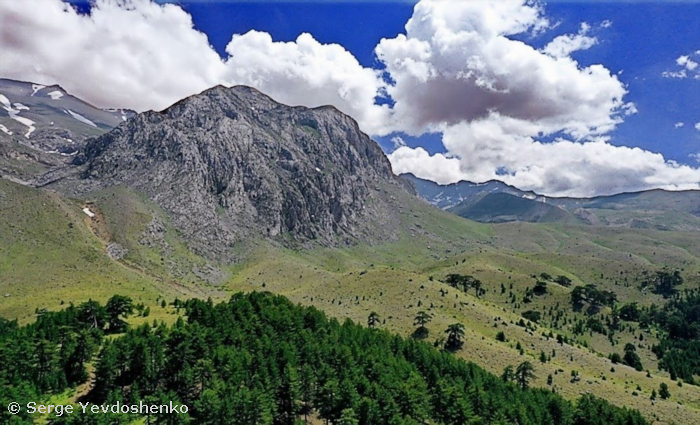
[(697, 126), (480, 150), (564, 45), (134, 54), (309, 73), (688, 67), (141, 55), (458, 70), (678, 124), (438, 168), (686, 62), (456, 63)]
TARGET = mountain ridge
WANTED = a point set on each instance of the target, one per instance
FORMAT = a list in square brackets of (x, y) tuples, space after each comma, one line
[(232, 164), (654, 208)]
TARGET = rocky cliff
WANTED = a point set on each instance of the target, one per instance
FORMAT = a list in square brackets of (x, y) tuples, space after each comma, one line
[(231, 165)]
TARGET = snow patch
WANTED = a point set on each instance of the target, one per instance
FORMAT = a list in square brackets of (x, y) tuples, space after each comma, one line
[(88, 212), (26, 121), (21, 107), (63, 154), (55, 95), (36, 88), (80, 118), (5, 130), (14, 114)]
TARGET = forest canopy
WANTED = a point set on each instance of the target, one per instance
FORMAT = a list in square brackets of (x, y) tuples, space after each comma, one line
[(259, 359)]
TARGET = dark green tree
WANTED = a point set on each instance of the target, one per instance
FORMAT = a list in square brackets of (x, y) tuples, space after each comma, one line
[(421, 320), (455, 337), (117, 307), (524, 373)]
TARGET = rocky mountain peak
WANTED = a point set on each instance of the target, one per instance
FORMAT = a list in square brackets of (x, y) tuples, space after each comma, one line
[(233, 164)]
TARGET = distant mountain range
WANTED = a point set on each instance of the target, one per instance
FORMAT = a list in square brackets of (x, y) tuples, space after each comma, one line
[(497, 202), (41, 125)]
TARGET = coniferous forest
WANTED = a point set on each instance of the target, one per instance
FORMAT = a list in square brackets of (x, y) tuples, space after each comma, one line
[(259, 359)]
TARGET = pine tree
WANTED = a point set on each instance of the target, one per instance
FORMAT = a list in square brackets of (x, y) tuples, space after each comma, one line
[(524, 373), (455, 336)]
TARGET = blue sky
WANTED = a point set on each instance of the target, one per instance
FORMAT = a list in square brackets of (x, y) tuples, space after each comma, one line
[(546, 96)]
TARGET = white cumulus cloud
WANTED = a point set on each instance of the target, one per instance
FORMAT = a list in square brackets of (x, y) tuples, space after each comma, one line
[(687, 67), (134, 54), (564, 45), (457, 63), (480, 151), (438, 168), (493, 97), (309, 73)]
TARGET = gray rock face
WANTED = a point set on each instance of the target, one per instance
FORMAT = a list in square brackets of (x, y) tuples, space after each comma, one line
[(232, 164)]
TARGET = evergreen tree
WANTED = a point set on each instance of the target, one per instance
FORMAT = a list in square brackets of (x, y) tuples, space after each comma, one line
[(118, 306), (288, 397), (508, 374), (421, 320), (524, 373), (455, 336)]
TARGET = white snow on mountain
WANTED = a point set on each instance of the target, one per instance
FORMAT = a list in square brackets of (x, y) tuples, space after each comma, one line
[(5, 130), (36, 88), (5, 101), (55, 95), (14, 114), (80, 118)]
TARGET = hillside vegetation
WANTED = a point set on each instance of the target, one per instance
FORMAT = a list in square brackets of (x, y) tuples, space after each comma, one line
[(258, 359), (49, 264)]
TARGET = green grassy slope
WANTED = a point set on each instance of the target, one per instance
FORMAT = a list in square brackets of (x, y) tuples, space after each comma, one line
[(51, 253), (43, 261), (503, 207)]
